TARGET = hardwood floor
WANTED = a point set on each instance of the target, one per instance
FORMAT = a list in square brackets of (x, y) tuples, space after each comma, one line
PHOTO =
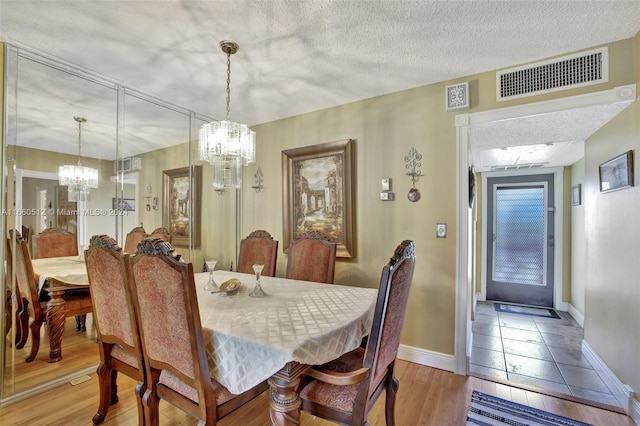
[(427, 396)]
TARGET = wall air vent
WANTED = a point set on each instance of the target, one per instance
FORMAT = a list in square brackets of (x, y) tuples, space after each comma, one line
[(577, 70), (126, 165)]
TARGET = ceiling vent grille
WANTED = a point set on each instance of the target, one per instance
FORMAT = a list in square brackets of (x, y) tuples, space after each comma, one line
[(567, 72)]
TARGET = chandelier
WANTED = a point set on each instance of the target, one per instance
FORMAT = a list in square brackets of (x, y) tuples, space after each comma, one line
[(78, 179), (225, 144)]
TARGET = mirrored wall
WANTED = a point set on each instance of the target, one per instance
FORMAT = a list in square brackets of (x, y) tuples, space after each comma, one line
[(140, 145)]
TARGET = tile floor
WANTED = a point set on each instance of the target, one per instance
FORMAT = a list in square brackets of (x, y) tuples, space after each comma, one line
[(536, 351)]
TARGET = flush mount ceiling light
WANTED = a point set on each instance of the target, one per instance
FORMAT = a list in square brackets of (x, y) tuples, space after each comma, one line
[(78, 179), (225, 144)]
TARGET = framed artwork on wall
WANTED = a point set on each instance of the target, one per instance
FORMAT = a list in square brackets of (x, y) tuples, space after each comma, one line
[(66, 211), (576, 195), (616, 173), (317, 190), (181, 208)]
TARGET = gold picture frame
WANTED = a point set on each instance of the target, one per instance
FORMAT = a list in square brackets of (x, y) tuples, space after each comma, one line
[(317, 186), (181, 204)]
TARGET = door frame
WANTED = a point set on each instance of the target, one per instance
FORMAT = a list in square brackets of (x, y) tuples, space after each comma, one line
[(558, 182), (465, 272)]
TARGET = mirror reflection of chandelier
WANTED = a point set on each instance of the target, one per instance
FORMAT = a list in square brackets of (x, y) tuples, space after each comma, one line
[(77, 178), (225, 144)]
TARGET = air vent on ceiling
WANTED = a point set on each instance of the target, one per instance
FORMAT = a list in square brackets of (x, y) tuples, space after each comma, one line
[(567, 72), (128, 164)]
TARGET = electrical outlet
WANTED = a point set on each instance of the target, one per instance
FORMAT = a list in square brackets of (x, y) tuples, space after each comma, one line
[(441, 230)]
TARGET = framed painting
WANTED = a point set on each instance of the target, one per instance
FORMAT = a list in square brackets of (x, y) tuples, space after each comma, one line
[(181, 203), (317, 189), (576, 195), (66, 211), (616, 173), (124, 204)]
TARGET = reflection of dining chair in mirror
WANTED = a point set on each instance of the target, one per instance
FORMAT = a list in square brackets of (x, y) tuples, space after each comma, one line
[(312, 257), (118, 338), (258, 248), (344, 390), (174, 349), (26, 232), (58, 242), (55, 242), (133, 238), (162, 233)]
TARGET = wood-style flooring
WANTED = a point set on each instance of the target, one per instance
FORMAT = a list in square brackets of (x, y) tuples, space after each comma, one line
[(427, 396)]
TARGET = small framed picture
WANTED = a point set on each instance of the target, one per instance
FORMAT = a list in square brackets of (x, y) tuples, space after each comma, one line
[(576, 195), (617, 173)]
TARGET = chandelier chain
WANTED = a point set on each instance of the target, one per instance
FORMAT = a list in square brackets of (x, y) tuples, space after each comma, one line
[(228, 83)]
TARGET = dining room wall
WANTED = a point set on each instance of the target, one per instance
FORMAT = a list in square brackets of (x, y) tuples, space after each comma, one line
[(384, 129)]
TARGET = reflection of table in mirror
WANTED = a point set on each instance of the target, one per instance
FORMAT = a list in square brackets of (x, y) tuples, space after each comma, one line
[(278, 336), (66, 282)]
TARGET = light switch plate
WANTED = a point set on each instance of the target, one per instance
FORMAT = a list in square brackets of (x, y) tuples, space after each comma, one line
[(386, 196), (441, 230)]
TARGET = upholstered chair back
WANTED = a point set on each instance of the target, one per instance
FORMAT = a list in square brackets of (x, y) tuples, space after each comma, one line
[(133, 238), (24, 275), (312, 257), (114, 318), (170, 329), (391, 307), (55, 242), (162, 233), (258, 248)]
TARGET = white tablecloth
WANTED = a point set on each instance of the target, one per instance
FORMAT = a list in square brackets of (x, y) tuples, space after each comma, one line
[(70, 270), (253, 338)]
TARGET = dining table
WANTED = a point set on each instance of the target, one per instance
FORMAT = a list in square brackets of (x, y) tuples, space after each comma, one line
[(61, 278), (277, 337)]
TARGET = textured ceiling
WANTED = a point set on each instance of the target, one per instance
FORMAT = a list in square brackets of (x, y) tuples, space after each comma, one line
[(304, 55)]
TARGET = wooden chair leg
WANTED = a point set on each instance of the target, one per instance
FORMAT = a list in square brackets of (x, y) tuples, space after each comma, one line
[(35, 339), (390, 402), (141, 413), (81, 322), (104, 383), (22, 323)]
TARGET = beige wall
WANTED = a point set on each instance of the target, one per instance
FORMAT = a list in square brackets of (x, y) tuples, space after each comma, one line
[(612, 233)]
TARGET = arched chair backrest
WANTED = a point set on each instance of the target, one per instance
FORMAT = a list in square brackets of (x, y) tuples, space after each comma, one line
[(258, 248), (133, 238), (55, 242), (312, 257), (162, 233)]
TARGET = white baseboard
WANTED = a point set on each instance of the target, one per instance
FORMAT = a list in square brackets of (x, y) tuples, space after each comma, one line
[(623, 393), (576, 315), (428, 358)]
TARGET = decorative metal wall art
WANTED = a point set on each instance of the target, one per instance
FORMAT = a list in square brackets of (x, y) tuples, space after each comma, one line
[(258, 179), (413, 159)]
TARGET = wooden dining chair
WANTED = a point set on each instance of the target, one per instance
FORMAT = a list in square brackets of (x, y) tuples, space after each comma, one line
[(58, 242), (346, 389), (162, 233), (173, 345), (28, 304), (258, 248), (133, 238), (55, 242), (115, 321), (312, 257)]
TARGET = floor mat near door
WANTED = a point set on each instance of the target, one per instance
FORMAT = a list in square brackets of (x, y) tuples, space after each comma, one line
[(526, 310)]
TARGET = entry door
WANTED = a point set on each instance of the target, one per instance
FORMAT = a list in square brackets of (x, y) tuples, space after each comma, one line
[(520, 239)]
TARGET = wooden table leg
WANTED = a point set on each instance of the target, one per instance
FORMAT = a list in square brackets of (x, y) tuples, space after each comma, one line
[(285, 401), (55, 317)]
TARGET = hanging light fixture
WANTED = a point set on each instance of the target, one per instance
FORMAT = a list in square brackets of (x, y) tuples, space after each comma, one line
[(78, 179), (225, 144)]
